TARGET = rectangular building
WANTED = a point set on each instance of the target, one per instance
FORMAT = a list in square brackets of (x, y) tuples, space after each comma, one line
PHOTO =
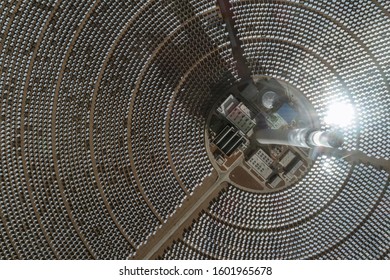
[(275, 182), (287, 158), (228, 140), (259, 166), (264, 157), (228, 105), (290, 174), (241, 117)]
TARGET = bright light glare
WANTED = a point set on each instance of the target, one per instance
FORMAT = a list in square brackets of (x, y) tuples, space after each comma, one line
[(340, 114)]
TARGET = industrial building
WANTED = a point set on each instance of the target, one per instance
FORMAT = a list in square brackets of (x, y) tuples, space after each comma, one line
[(194, 129)]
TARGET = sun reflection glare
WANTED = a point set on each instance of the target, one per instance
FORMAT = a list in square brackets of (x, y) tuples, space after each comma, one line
[(340, 114)]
